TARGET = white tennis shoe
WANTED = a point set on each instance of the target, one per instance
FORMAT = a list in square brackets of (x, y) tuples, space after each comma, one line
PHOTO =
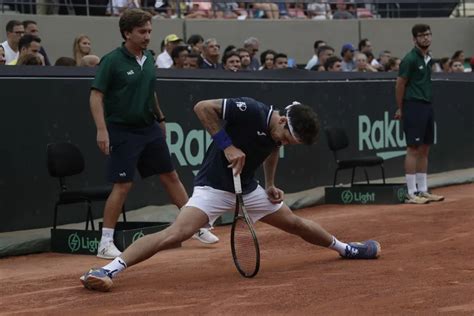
[(107, 250), (205, 236)]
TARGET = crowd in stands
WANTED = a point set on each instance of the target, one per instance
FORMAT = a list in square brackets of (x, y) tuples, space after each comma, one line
[(23, 47)]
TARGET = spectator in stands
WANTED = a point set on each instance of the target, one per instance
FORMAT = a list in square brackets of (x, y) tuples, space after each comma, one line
[(456, 66), (314, 60), (281, 61), (31, 28), (29, 59), (231, 61), (210, 55), (252, 44), (267, 59), (200, 10), (244, 58), (195, 43), (347, 54), (341, 12), (361, 63), (270, 10), (458, 56), (319, 10), (442, 65), (65, 61), (384, 57), (228, 49), (365, 47), (2, 55), (89, 61), (324, 52), (118, 6), (179, 56), (164, 59), (393, 64), (333, 64), (81, 47), (192, 61), (15, 31), (28, 44)]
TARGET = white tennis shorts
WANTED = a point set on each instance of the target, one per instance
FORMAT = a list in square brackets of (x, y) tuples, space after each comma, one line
[(215, 202)]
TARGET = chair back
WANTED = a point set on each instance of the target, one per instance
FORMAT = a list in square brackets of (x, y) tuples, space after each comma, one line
[(337, 138), (64, 159)]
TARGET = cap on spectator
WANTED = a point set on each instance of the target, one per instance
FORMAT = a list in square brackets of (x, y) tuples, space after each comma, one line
[(172, 38), (347, 47)]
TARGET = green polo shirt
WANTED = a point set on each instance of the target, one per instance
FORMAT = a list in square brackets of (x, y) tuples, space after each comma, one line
[(418, 72), (128, 88)]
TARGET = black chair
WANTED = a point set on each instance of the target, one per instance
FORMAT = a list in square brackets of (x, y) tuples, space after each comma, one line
[(337, 140), (65, 160)]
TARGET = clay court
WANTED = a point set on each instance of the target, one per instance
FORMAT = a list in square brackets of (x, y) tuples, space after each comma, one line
[(427, 267)]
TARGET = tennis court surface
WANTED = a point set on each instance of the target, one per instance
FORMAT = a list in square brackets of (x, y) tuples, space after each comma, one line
[(426, 266)]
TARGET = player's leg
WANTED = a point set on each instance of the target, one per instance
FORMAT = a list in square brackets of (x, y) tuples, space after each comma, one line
[(156, 159), (313, 233), (188, 221)]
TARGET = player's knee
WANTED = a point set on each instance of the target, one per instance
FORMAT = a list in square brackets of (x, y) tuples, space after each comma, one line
[(122, 188), (170, 177)]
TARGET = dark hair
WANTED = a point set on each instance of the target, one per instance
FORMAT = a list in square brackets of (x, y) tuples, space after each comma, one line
[(362, 42), (443, 61), (331, 61), (392, 61), (11, 24), (279, 55), (419, 28), (323, 49), (193, 55), (132, 18), (457, 54), (305, 123), (65, 61), (29, 60), (369, 55), (26, 40), (194, 39), (316, 44), (228, 55), (177, 50), (242, 50), (264, 54), (28, 22)]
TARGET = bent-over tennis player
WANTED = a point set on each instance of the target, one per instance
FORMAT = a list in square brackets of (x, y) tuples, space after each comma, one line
[(246, 134)]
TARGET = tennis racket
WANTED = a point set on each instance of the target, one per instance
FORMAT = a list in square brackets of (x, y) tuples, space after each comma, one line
[(243, 240)]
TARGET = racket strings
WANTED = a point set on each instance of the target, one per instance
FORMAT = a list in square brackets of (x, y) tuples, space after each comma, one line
[(245, 247)]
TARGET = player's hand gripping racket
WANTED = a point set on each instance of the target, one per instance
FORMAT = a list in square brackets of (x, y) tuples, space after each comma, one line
[(243, 240)]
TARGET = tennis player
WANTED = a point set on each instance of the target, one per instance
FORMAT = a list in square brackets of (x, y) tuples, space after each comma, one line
[(246, 134)]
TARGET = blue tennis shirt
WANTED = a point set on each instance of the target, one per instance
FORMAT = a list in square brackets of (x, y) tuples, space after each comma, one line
[(247, 122)]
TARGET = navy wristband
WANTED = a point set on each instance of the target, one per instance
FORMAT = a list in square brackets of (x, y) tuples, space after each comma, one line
[(222, 139)]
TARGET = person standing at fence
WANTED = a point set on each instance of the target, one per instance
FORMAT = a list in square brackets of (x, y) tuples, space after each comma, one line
[(413, 93), (130, 124)]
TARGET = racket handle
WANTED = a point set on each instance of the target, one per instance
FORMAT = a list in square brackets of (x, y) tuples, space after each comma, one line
[(237, 183)]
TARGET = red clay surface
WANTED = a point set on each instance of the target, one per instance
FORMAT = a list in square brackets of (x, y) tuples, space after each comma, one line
[(426, 267)]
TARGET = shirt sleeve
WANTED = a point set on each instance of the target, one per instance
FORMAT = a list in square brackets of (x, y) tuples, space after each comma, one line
[(235, 110), (103, 75), (405, 70)]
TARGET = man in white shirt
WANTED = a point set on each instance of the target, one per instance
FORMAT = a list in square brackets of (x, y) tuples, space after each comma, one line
[(15, 31), (164, 59), (314, 60)]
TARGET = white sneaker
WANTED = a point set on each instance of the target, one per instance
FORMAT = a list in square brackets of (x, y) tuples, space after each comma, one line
[(204, 235), (107, 250), (415, 199)]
